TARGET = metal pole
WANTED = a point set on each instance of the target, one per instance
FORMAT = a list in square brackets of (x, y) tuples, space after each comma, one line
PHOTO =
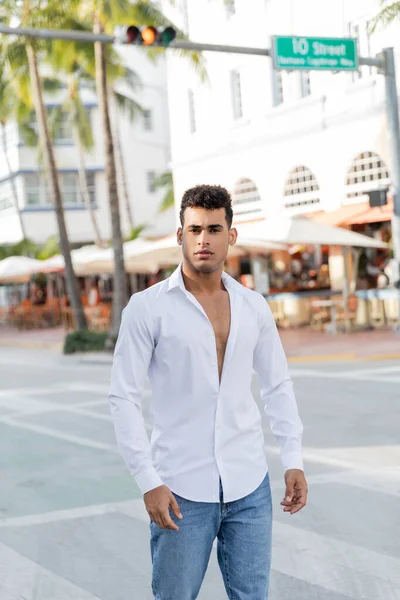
[(184, 45), (393, 130), (86, 36), (371, 62), (58, 34)]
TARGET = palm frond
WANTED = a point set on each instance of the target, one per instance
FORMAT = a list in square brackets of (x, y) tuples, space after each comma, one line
[(131, 79), (127, 105), (50, 248), (68, 55), (29, 135), (389, 13), (136, 231), (81, 120), (197, 61), (165, 181), (168, 201), (54, 116), (24, 248), (52, 84)]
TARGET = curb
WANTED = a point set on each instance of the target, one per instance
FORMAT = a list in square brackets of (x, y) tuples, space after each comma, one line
[(31, 345), (104, 358), (341, 357), (321, 358)]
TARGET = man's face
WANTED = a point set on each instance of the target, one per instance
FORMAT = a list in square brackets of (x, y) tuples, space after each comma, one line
[(205, 238)]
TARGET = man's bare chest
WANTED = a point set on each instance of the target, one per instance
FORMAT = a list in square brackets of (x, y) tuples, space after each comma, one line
[(218, 311)]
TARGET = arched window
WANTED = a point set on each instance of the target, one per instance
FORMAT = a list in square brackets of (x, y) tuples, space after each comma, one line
[(246, 199), (301, 188), (368, 172)]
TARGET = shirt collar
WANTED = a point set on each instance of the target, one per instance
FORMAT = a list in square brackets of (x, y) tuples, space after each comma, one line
[(176, 280)]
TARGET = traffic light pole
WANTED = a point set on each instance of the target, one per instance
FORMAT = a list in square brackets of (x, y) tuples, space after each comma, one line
[(393, 128), (384, 62), (83, 36)]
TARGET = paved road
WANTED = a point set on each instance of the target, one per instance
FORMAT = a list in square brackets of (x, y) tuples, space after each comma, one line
[(72, 523)]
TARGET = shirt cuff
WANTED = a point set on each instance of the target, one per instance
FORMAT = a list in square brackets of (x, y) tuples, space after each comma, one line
[(292, 460), (148, 480)]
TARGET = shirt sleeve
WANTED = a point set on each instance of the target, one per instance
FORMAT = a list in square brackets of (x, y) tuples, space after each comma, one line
[(276, 390), (132, 358)]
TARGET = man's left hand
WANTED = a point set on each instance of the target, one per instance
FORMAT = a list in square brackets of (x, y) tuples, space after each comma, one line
[(296, 491)]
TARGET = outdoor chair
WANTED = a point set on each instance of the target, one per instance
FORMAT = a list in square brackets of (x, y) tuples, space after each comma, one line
[(347, 315), (278, 312), (99, 317), (377, 312), (391, 311), (319, 316)]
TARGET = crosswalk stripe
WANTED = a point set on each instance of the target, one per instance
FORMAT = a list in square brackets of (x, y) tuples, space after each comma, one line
[(23, 579)]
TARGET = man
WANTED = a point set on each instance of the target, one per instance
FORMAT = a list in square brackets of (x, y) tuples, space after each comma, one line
[(198, 335)]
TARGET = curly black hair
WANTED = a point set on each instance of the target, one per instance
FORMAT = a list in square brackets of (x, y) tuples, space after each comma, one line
[(210, 197)]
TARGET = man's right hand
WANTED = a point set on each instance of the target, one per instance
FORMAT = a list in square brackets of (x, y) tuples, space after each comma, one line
[(157, 504)]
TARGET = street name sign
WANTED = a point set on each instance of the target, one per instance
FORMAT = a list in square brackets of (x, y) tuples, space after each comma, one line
[(314, 54)]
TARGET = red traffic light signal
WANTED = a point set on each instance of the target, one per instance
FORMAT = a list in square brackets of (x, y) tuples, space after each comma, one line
[(145, 36), (132, 35)]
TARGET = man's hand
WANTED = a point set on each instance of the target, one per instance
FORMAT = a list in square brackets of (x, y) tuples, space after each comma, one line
[(157, 504), (296, 491)]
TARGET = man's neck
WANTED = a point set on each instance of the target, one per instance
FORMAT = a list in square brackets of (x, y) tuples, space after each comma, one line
[(201, 283)]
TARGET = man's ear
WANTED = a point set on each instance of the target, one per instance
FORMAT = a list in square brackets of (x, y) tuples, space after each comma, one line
[(233, 234), (179, 236)]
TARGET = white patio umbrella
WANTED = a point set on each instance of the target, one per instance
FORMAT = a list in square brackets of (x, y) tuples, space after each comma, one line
[(165, 252), (146, 256), (53, 264), (81, 258), (17, 269), (101, 260), (301, 230)]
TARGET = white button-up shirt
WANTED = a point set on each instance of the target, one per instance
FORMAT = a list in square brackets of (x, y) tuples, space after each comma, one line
[(204, 429)]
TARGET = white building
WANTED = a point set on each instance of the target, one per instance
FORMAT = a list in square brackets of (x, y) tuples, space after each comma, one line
[(145, 144), (298, 142)]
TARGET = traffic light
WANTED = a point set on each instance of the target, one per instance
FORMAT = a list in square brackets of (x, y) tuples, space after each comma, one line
[(144, 36)]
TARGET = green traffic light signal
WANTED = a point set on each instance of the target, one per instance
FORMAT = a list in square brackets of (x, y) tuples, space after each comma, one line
[(167, 36)]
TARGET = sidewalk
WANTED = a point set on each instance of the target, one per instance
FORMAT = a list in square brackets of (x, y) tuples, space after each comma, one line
[(301, 345), (32, 338), (305, 345)]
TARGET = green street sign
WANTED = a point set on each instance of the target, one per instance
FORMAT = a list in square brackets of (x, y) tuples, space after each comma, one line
[(314, 54)]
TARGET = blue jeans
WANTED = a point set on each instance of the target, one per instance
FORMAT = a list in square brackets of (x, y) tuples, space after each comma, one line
[(243, 530)]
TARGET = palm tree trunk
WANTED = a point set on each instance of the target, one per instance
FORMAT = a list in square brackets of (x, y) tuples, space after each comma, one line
[(49, 158), (122, 171), (12, 180), (120, 293), (84, 188)]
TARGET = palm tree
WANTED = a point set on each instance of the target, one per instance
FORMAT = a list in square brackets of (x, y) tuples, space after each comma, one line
[(107, 14), (129, 107), (165, 181), (83, 139), (78, 64), (45, 13)]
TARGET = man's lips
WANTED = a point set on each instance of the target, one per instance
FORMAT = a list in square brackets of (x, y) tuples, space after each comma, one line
[(204, 253)]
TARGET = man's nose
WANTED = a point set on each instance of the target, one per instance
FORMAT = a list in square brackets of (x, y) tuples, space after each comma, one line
[(203, 238)]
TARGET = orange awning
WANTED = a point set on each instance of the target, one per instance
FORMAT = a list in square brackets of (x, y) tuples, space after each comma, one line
[(355, 214)]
